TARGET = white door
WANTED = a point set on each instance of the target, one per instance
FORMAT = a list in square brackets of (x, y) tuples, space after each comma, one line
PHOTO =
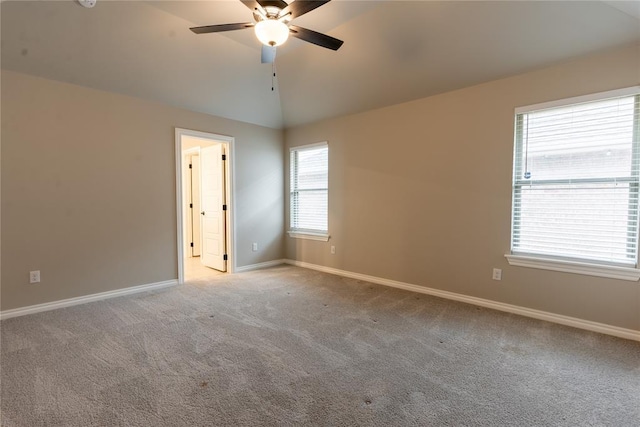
[(212, 199)]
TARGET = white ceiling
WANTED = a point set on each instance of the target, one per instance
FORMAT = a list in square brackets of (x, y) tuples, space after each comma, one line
[(394, 51)]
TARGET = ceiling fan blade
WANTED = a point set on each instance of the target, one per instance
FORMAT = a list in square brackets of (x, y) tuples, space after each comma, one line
[(300, 7), (268, 54), (219, 28), (315, 37)]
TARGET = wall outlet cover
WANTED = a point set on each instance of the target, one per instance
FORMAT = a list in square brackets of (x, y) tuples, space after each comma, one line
[(87, 3), (34, 276)]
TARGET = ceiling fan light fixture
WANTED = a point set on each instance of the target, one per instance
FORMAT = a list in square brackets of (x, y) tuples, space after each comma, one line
[(272, 32)]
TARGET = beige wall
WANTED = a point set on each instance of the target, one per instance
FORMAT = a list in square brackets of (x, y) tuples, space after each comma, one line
[(421, 192), (88, 189)]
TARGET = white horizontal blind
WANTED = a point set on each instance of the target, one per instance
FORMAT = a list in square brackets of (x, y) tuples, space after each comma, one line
[(575, 184), (309, 188)]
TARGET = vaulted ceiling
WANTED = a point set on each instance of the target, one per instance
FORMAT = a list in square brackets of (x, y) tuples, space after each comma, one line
[(394, 51)]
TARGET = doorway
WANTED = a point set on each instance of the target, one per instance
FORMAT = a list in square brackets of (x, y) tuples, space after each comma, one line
[(204, 194)]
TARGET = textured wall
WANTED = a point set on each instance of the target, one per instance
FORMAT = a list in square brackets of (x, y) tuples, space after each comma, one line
[(421, 192), (88, 189)]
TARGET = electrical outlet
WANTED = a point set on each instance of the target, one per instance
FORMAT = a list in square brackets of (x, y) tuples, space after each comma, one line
[(88, 3), (254, 247), (497, 274), (333, 250), (34, 276)]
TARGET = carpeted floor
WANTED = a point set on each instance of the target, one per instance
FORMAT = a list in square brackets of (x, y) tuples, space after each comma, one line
[(289, 346)]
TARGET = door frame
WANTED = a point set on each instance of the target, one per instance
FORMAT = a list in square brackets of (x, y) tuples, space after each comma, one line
[(228, 142), (190, 152)]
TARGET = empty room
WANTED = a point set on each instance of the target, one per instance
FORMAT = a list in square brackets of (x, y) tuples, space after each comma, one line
[(332, 213)]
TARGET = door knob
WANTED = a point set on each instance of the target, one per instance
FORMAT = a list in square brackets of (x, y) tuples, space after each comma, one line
[(202, 213)]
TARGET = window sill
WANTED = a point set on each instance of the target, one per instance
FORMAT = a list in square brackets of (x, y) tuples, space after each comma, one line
[(323, 237), (610, 271)]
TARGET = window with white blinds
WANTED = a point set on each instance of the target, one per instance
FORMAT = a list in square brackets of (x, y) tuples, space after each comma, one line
[(309, 168), (576, 179)]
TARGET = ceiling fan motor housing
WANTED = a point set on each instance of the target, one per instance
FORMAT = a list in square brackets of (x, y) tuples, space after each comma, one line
[(272, 7)]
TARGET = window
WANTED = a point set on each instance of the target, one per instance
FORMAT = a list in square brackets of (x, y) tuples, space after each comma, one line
[(576, 180), (309, 191)]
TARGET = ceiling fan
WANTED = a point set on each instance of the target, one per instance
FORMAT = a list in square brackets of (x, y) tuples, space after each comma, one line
[(273, 25)]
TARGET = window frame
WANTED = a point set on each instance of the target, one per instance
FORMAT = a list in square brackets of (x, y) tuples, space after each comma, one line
[(559, 263), (298, 233)]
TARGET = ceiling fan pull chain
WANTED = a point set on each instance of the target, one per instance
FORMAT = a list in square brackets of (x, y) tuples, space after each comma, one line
[(273, 74)]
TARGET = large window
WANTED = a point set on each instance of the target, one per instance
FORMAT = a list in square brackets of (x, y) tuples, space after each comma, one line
[(309, 185), (576, 180)]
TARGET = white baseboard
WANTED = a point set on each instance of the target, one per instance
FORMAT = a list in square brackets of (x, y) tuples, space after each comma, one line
[(588, 325), (7, 314), (260, 265)]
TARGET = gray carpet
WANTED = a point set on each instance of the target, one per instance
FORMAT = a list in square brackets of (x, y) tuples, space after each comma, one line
[(288, 346)]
